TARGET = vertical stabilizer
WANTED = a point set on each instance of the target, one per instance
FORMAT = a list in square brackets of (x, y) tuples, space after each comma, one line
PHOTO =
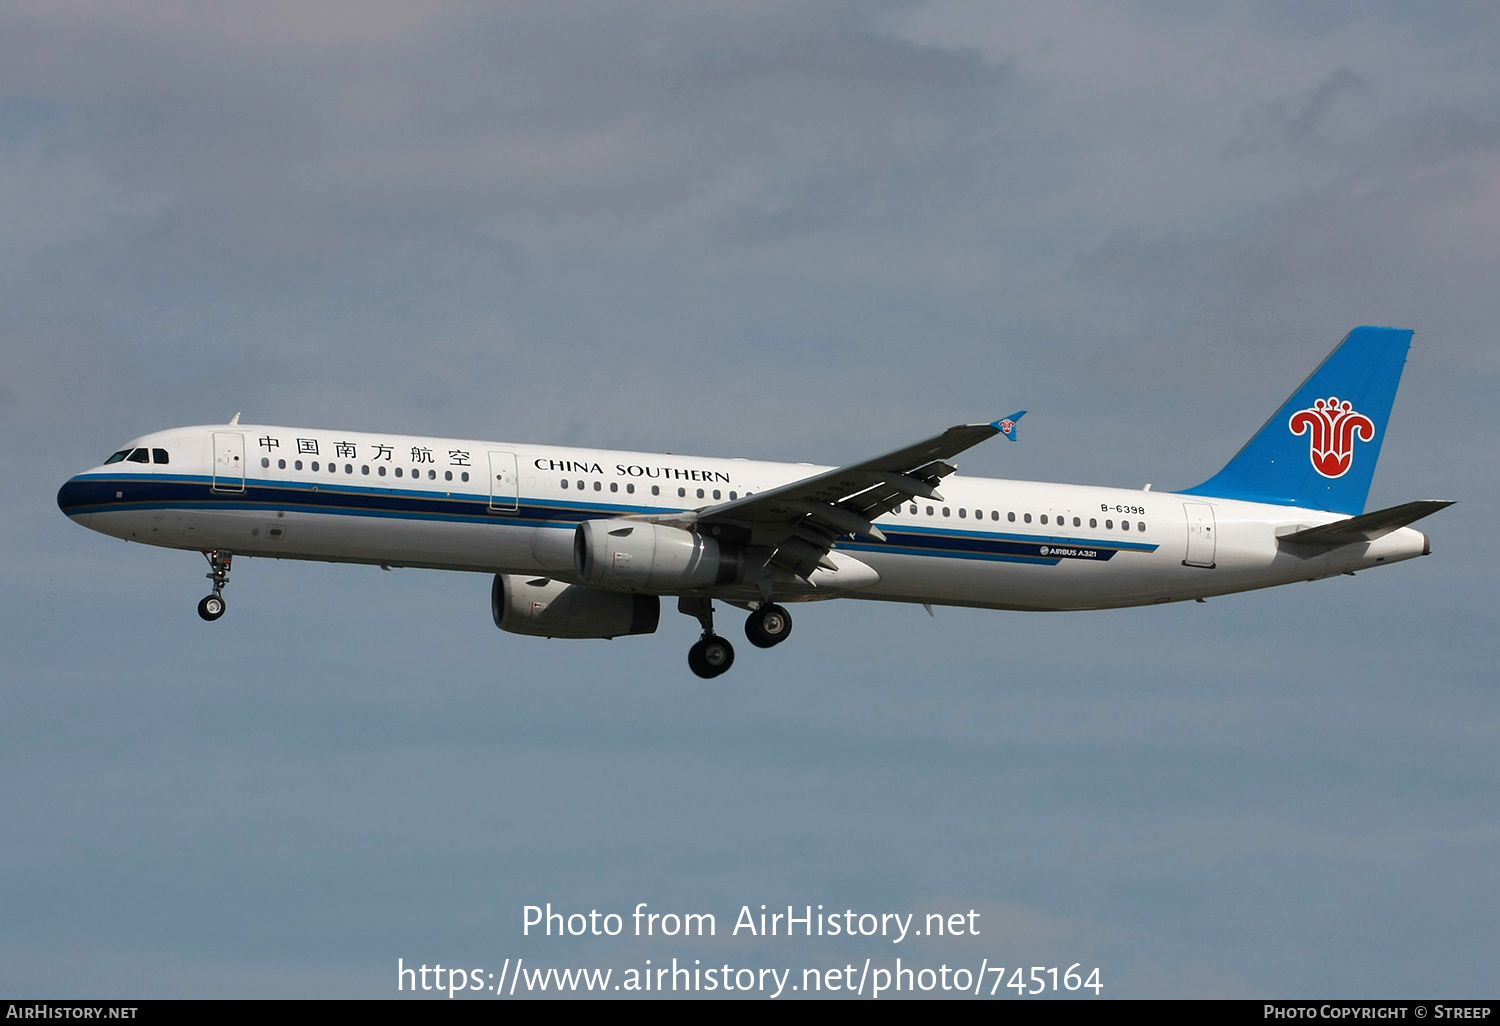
[(1319, 449)]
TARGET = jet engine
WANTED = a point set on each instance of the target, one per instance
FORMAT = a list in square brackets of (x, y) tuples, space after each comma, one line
[(552, 609), (635, 555)]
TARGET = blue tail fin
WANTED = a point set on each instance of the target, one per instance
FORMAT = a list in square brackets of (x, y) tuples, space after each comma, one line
[(1319, 450)]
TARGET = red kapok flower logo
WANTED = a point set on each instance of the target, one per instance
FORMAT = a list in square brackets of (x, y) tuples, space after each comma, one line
[(1333, 426)]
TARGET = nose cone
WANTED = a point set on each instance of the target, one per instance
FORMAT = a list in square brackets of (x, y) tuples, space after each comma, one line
[(74, 496)]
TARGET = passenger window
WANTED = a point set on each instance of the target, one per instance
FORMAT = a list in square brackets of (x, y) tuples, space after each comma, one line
[(297, 465), (1011, 517), (1027, 517), (281, 464), (364, 469), (656, 489), (716, 493), (447, 475), (398, 471), (159, 456), (700, 493), (264, 462), (1044, 518), (929, 511), (380, 470), (1077, 522), (1124, 525), (315, 464), (1141, 526), (139, 456), (465, 475), (945, 511), (994, 514), (117, 457), (912, 510), (348, 468), (963, 512), (682, 493), (333, 468), (630, 489), (432, 475), (1093, 522), (732, 496), (1109, 525), (598, 486), (580, 486), (614, 486)]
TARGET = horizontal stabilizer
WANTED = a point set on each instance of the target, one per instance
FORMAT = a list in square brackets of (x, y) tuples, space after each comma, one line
[(1366, 527)]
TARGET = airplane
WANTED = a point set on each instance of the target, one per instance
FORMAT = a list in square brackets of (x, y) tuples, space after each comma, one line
[(584, 543)]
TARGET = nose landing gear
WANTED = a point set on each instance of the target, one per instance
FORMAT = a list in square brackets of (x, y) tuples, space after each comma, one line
[(212, 607), (712, 655)]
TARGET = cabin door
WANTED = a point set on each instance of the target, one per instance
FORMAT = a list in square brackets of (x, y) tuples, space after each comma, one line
[(229, 461), (1200, 538)]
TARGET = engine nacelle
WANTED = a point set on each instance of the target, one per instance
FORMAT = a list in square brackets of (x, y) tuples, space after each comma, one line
[(634, 555), (552, 609)]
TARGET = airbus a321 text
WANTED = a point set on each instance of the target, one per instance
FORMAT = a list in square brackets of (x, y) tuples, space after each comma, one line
[(585, 543)]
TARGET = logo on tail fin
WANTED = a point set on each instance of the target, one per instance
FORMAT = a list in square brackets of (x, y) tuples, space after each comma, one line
[(1333, 426)]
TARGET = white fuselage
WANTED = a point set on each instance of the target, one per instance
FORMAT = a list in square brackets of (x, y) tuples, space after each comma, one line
[(494, 507)]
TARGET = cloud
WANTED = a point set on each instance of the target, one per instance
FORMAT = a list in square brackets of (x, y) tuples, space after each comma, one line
[(1301, 121)]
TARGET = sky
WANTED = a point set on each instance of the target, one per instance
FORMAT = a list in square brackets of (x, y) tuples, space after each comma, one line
[(779, 230)]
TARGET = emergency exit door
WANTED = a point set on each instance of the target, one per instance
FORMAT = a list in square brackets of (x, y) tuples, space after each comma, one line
[(505, 491)]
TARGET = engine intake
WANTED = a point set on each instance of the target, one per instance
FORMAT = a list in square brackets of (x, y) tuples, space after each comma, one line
[(633, 555), (552, 609)]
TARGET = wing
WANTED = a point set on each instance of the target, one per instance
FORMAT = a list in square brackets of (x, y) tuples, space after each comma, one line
[(801, 521)]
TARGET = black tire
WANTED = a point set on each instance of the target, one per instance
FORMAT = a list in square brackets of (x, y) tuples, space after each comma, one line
[(768, 626), (211, 608), (710, 657)]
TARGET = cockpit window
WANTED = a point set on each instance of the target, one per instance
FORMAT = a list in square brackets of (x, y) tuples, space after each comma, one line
[(159, 456), (117, 457), (139, 456)]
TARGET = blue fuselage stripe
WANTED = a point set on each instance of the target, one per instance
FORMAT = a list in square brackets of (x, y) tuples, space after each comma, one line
[(114, 493)]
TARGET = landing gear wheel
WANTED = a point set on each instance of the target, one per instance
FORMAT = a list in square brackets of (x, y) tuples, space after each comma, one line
[(768, 626), (219, 562), (710, 657)]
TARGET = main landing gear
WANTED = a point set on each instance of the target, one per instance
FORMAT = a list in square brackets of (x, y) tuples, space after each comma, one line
[(212, 607), (712, 655), (767, 626)]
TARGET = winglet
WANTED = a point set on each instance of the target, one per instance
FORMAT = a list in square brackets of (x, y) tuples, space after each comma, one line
[(235, 419), (1007, 425)]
